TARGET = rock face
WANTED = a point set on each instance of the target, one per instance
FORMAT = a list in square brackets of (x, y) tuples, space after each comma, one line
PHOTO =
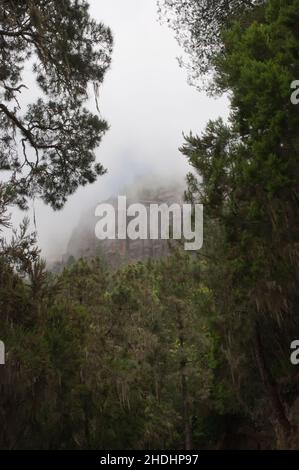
[(83, 242)]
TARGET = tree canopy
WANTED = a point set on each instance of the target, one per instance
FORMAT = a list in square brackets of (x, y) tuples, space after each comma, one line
[(198, 26), (47, 147)]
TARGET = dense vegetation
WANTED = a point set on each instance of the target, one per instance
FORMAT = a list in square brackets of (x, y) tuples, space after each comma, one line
[(190, 351)]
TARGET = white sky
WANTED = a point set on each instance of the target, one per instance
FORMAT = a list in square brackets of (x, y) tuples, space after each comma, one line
[(148, 104)]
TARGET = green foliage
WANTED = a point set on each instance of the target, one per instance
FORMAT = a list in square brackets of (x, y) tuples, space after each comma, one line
[(109, 351), (189, 351)]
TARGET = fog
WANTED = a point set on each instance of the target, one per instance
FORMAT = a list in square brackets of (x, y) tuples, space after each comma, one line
[(148, 104)]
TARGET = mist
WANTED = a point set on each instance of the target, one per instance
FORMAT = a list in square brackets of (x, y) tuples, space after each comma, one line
[(148, 104)]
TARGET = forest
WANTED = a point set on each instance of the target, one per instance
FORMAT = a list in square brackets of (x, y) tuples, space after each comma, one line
[(190, 351)]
